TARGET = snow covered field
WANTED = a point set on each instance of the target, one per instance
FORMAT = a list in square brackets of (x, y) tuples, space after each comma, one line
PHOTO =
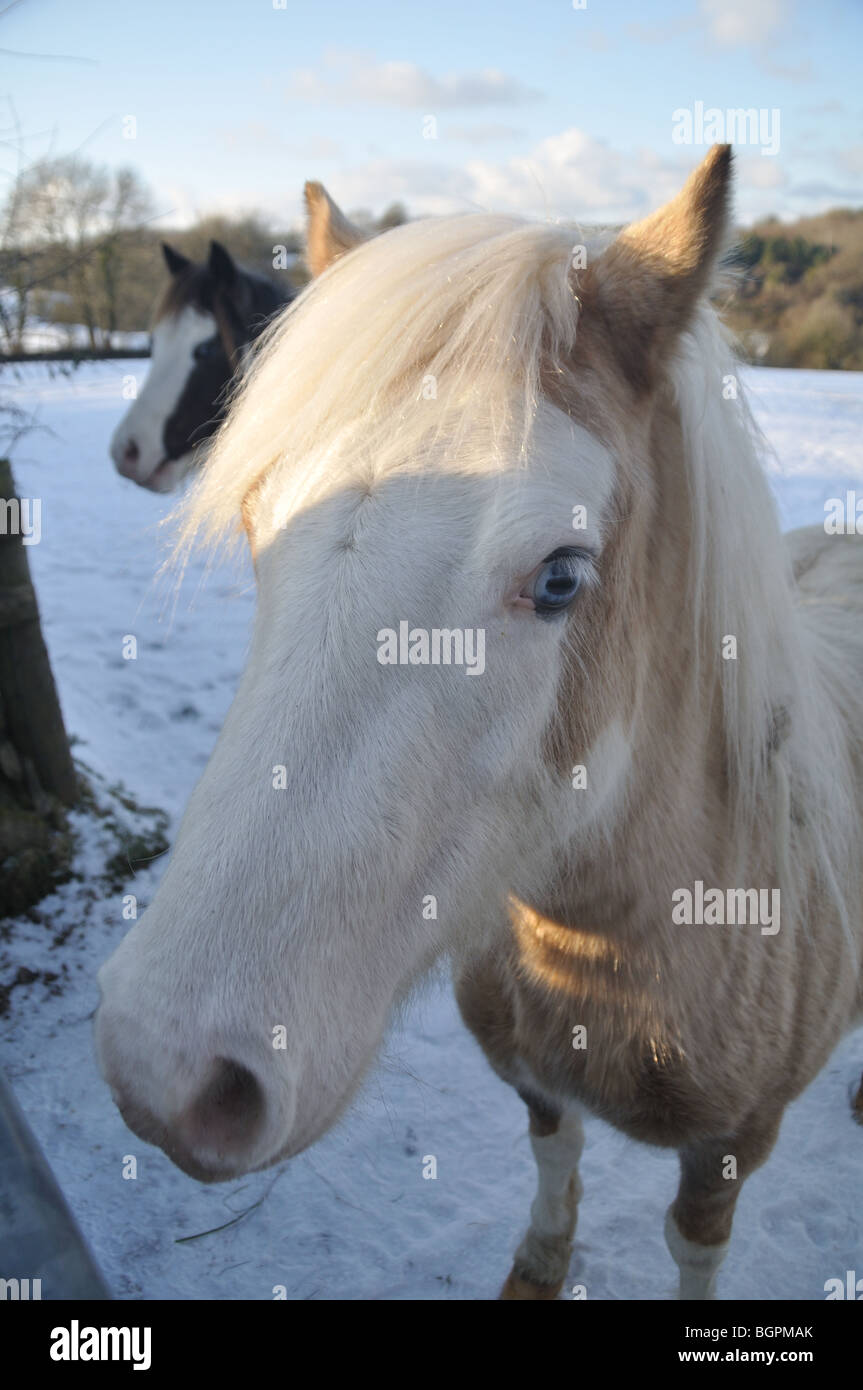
[(353, 1217)]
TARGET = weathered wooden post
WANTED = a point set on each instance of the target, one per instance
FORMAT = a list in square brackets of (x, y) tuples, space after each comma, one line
[(37, 774)]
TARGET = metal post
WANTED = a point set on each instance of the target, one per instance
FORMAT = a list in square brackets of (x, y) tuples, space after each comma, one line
[(38, 1235)]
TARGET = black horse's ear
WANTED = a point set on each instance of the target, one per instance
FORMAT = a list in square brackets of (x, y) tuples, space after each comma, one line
[(174, 260), (221, 265)]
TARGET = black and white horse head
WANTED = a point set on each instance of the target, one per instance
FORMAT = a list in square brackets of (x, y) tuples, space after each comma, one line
[(208, 318)]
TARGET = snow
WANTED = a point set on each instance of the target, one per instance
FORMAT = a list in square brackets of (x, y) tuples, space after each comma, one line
[(353, 1218), (44, 335), (54, 337)]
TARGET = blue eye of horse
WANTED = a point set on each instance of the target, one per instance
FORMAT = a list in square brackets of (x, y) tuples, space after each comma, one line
[(205, 350), (557, 583)]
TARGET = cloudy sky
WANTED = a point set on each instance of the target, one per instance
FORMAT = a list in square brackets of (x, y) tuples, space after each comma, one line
[(534, 106)]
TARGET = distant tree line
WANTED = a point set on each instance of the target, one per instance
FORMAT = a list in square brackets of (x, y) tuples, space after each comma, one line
[(797, 292), (786, 259), (79, 245)]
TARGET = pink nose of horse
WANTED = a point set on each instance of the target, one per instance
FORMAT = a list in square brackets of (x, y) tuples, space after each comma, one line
[(222, 1126), (217, 1135), (214, 1115)]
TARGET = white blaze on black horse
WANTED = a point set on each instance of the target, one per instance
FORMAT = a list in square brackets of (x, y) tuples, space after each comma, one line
[(206, 321)]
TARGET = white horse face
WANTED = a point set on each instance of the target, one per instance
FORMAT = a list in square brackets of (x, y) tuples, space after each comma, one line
[(357, 818), (142, 446)]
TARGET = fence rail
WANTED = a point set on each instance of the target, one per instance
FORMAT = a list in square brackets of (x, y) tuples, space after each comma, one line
[(72, 354)]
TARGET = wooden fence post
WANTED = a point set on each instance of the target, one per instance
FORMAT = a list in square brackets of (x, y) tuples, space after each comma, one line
[(37, 774)]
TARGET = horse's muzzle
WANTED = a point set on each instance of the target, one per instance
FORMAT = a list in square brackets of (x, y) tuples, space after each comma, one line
[(216, 1117)]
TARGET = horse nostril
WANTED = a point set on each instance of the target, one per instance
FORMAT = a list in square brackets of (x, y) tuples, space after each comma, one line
[(131, 453), (228, 1114)]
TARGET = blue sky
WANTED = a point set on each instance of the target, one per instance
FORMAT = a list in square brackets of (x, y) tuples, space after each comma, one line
[(539, 107)]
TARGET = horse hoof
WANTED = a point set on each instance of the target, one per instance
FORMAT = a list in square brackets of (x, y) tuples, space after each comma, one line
[(516, 1287)]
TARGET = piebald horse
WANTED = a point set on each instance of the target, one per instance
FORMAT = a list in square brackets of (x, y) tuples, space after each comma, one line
[(207, 319), (478, 425)]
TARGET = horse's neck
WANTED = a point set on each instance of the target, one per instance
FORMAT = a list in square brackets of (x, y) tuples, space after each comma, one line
[(603, 932), (268, 298), (674, 820), (264, 300)]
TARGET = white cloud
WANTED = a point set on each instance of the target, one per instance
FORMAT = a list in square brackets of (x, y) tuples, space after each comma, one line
[(487, 134), (791, 72), (661, 33), (820, 194), (568, 175), (851, 160), (755, 172), (824, 108), (253, 136), (427, 188), (354, 78), (732, 23), (571, 174)]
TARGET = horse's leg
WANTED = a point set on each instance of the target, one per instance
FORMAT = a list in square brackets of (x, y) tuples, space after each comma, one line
[(542, 1259), (698, 1223), (857, 1106), (484, 991)]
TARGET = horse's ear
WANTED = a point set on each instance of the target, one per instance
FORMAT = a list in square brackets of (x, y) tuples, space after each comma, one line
[(645, 287), (329, 234), (221, 265), (174, 260)]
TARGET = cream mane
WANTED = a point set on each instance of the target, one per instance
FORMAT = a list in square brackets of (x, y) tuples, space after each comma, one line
[(471, 303)]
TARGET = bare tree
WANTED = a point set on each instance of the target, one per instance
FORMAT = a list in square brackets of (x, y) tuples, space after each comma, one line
[(67, 225)]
